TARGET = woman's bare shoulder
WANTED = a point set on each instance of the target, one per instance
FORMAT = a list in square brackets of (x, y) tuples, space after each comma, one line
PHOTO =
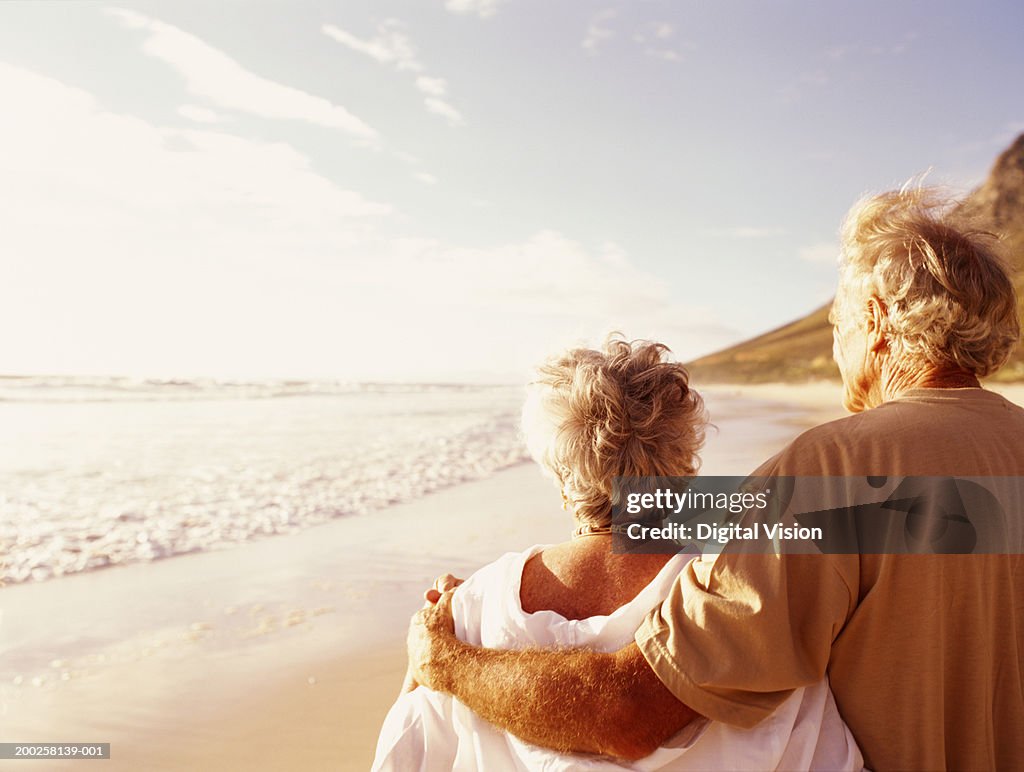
[(584, 578)]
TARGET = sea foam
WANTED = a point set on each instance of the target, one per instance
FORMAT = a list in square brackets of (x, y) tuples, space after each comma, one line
[(103, 472)]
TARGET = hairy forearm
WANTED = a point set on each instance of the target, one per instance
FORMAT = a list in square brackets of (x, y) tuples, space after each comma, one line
[(569, 700)]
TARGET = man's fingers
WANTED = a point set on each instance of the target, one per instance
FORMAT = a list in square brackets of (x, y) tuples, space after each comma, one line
[(431, 596), (428, 629), (441, 612), (437, 614), (443, 583), (446, 582)]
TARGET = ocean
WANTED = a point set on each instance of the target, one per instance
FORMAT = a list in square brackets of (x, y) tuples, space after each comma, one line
[(97, 472)]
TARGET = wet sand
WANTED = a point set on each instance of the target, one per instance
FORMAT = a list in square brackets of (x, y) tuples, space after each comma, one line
[(275, 710), (279, 654)]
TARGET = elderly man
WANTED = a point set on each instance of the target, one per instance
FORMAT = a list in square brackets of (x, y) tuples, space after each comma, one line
[(923, 652)]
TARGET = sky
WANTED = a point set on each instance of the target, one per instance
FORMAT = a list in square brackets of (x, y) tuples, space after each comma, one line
[(451, 190)]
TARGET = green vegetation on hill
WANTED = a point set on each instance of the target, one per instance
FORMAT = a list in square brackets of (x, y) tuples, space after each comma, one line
[(802, 350)]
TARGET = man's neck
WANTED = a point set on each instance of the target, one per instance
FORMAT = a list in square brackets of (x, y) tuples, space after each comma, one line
[(900, 380)]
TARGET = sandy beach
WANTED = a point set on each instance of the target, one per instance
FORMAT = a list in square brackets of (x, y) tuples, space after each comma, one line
[(285, 653), (280, 654)]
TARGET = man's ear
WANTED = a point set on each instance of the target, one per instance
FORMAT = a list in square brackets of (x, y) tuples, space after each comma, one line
[(877, 316)]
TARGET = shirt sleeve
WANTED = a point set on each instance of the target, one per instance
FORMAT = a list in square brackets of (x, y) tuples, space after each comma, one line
[(741, 631), (738, 634)]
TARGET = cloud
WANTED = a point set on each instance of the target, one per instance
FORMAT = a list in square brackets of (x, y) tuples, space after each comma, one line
[(432, 86), (405, 157), (748, 232), (597, 30), (426, 179), (213, 75), (128, 239), (392, 47), (442, 108), (839, 52), (665, 54), (533, 297), (199, 114), (482, 8), (843, 50), (653, 40), (94, 158), (900, 48), (822, 252), (108, 177), (794, 91), (819, 156), (389, 46), (144, 249)]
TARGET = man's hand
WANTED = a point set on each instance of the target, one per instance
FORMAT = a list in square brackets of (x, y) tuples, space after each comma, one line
[(570, 700), (442, 584), (431, 638)]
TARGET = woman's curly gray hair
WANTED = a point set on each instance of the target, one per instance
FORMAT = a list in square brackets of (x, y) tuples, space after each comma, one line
[(623, 411), (947, 292)]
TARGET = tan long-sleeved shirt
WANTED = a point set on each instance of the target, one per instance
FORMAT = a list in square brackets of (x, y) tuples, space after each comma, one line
[(924, 653)]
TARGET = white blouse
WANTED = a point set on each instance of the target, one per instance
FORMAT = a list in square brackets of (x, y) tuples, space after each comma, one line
[(429, 731)]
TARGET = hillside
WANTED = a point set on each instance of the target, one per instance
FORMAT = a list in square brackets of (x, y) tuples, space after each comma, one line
[(802, 350)]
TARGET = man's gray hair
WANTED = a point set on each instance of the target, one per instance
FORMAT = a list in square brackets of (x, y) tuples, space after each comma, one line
[(947, 291)]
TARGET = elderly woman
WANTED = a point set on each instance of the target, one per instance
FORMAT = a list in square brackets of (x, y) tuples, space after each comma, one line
[(923, 652), (592, 416)]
